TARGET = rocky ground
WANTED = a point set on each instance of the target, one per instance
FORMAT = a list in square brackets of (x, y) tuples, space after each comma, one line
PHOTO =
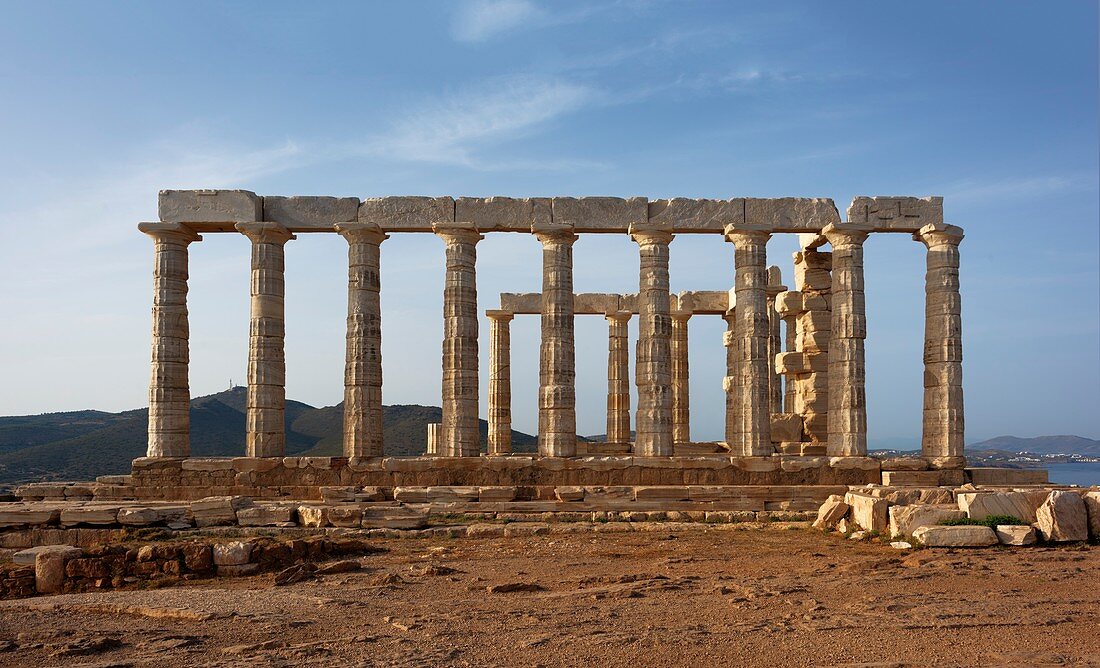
[(737, 595)]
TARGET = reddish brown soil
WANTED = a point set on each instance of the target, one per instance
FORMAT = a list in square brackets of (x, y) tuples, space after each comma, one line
[(740, 597)]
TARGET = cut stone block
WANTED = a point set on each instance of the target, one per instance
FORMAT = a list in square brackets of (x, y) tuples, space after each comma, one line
[(138, 517), (786, 427), (310, 211), (1010, 534), (905, 520), (98, 515), (218, 510), (1092, 509), (49, 567), (29, 516), (980, 505), (831, 512), (232, 554), (209, 206), (265, 515), (907, 214), (956, 536), (1062, 517), (313, 516), (869, 512)]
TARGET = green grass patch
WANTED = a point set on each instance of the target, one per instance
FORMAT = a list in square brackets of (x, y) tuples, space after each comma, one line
[(992, 521)]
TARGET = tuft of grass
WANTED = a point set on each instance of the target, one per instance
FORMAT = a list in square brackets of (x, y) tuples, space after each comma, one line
[(992, 521)]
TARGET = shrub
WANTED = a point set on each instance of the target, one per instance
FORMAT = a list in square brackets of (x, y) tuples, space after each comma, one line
[(992, 521)]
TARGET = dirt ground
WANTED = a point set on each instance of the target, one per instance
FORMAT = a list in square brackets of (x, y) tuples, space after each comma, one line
[(742, 597)]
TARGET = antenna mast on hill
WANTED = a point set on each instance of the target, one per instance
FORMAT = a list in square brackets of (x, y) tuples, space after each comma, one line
[(231, 383)]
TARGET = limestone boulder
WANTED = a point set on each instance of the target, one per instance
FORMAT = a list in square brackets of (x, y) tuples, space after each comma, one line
[(956, 536), (345, 516), (868, 512), (1063, 518), (1092, 509), (49, 567), (980, 505), (831, 512), (905, 520), (313, 516), (233, 553), (1013, 534), (138, 517), (266, 515)]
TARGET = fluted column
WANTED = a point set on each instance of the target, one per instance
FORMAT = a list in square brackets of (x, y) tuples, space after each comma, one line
[(681, 408), (460, 435), (751, 428), (775, 340), (653, 376), (847, 367), (790, 383), (169, 392), (363, 359), (943, 425), (557, 358), (731, 381), (618, 377), (266, 404), (500, 382)]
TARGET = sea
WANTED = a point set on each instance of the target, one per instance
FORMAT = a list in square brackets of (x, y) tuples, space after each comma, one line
[(1084, 474)]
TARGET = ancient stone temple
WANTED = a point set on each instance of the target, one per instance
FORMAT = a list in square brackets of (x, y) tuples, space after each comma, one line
[(795, 384)]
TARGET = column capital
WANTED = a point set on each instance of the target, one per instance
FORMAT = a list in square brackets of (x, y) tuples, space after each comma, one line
[(680, 316), (650, 236), (845, 234), (499, 315), (618, 316), (938, 234), (745, 238), (370, 233), (265, 233), (457, 233), (169, 232), (554, 235)]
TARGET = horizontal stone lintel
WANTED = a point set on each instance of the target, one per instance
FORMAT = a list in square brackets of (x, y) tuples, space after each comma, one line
[(698, 302), (219, 210)]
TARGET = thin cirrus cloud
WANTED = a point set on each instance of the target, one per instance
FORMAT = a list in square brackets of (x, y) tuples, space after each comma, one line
[(479, 20), (454, 129)]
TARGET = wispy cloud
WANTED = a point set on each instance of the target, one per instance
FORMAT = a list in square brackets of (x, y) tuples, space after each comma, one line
[(455, 129), (1020, 187), (478, 20)]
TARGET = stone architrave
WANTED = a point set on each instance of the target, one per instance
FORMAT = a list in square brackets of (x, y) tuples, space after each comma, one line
[(653, 366), (169, 392), (557, 358), (847, 366), (266, 405), (618, 377), (943, 433), (500, 382), (460, 435), (681, 408), (748, 425), (775, 340), (363, 360)]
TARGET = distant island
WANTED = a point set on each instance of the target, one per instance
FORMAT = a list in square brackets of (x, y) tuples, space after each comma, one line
[(79, 445)]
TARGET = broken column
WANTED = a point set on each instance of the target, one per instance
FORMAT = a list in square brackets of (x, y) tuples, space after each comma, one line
[(653, 374), (943, 425), (500, 382), (169, 392), (847, 364), (460, 436), (363, 359), (808, 363), (681, 409), (748, 429), (557, 373), (618, 377), (266, 405)]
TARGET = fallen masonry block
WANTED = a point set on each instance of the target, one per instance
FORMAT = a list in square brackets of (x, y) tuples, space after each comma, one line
[(831, 512), (234, 553), (905, 520), (50, 567), (1062, 517), (138, 517), (266, 515), (1092, 509), (89, 515), (956, 536), (980, 505), (869, 512), (1009, 534)]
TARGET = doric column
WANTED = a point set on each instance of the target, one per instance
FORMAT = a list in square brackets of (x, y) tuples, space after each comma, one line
[(363, 359), (266, 405), (847, 370), (775, 340), (169, 393), (731, 384), (653, 374), (751, 428), (433, 438), (618, 378), (681, 408), (460, 436), (790, 383), (500, 382), (557, 371), (942, 437)]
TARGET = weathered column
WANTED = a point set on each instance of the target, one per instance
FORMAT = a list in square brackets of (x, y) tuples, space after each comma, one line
[(433, 438), (618, 378), (775, 341), (751, 426), (169, 392), (363, 360), (500, 382), (557, 359), (942, 437), (790, 387), (731, 384), (681, 409), (847, 368), (460, 436), (266, 404), (653, 375)]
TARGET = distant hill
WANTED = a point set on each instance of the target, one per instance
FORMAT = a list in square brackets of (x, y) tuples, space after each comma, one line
[(1041, 445), (80, 445)]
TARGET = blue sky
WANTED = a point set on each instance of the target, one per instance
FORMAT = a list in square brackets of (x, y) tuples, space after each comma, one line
[(992, 105)]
